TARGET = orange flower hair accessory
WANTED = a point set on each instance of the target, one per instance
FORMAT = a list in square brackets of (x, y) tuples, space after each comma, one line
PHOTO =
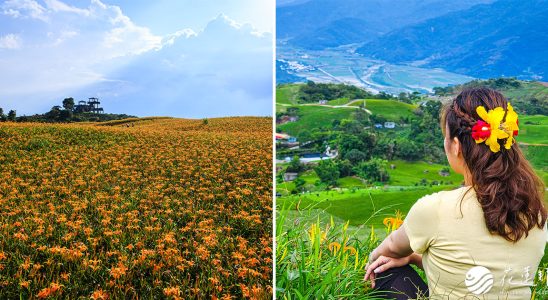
[(492, 127)]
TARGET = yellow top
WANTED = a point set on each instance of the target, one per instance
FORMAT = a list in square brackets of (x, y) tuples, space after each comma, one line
[(461, 259)]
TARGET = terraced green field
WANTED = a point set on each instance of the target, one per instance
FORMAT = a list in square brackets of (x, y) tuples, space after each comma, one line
[(360, 207), (533, 129)]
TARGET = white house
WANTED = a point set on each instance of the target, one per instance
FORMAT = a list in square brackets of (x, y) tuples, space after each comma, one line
[(389, 125)]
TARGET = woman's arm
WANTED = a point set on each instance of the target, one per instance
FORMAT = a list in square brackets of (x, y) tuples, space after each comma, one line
[(394, 251), (395, 245)]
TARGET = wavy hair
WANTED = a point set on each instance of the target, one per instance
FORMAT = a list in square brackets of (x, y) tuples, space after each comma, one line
[(510, 193)]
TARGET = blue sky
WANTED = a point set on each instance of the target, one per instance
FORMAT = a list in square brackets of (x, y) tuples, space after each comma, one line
[(179, 58)]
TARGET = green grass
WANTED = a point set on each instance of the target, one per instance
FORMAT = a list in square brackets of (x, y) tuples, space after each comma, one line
[(537, 156), (309, 265), (309, 176), (287, 94), (533, 129), (285, 187), (350, 182), (316, 117), (340, 101), (365, 206), (408, 173), (390, 109)]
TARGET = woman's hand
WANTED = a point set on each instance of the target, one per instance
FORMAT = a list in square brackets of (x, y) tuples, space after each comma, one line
[(383, 263)]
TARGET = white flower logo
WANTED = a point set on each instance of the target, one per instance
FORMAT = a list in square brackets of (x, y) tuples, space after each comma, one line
[(479, 280)]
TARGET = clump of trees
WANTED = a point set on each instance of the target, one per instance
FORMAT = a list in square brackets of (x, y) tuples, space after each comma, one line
[(65, 113), (494, 83), (314, 92), (11, 116)]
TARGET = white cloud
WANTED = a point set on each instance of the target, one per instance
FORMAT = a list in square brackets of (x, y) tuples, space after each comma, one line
[(224, 69), (99, 51), (186, 33), (10, 41), (62, 36), (58, 6), (24, 9)]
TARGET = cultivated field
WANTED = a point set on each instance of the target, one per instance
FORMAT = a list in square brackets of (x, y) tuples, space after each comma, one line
[(147, 208)]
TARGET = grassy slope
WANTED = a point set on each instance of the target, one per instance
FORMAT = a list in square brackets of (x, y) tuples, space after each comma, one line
[(367, 206), (409, 173), (319, 117), (340, 101), (390, 109), (286, 94), (533, 129)]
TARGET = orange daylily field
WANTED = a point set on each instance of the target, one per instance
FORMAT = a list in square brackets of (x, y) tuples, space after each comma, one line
[(151, 208)]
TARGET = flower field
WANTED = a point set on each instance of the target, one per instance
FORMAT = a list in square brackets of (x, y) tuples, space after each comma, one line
[(152, 208)]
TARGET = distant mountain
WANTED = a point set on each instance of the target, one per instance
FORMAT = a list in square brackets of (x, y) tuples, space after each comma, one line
[(317, 24), (339, 32), (505, 38)]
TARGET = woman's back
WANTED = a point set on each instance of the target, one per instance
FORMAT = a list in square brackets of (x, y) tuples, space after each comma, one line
[(462, 258)]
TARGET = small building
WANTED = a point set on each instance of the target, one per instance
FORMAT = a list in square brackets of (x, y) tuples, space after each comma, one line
[(389, 125), (322, 102), (290, 176)]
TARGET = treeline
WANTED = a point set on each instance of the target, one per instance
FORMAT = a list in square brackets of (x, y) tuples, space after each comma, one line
[(11, 116), (494, 83), (527, 97), (63, 114), (314, 92)]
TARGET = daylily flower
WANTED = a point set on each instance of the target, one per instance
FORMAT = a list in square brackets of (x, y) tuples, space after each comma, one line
[(498, 129), (511, 124)]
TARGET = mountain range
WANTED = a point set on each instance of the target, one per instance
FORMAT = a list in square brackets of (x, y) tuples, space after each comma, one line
[(504, 38), (479, 38), (318, 24)]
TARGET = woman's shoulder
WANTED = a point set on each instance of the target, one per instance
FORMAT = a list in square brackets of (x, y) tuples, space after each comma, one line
[(447, 196), (447, 201)]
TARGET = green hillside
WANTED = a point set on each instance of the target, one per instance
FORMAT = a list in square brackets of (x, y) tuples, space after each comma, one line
[(533, 129), (392, 110), (286, 94), (316, 117)]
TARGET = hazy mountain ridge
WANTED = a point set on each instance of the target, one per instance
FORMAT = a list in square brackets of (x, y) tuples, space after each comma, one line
[(317, 24), (505, 38)]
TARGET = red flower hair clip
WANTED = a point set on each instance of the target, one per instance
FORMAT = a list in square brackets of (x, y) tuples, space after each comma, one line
[(481, 130)]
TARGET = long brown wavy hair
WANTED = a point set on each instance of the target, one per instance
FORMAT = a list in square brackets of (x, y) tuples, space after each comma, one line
[(509, 191)]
